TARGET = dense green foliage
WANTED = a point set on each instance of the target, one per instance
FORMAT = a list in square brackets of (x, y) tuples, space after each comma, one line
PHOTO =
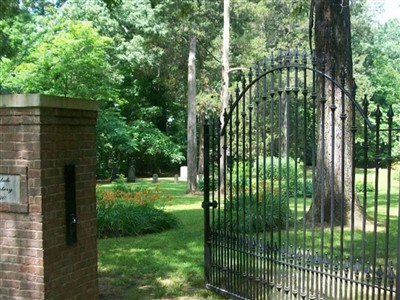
[(122, 218), (284, 173), (127, 211), (131, 55), (251, 213)]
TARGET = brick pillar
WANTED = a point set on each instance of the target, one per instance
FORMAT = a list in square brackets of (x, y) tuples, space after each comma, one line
[(39, 136)]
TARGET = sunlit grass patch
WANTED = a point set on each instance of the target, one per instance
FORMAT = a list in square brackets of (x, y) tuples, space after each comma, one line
[(166, 265)]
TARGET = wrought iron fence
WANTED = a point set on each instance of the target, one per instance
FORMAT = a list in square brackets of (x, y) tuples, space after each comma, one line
[(301, 196)]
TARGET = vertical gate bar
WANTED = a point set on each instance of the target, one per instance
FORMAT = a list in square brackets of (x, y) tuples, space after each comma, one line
[(357, 274), (231, 232), (365, 180), (343, 117), (379, 274), (314, 153), (391, 280), (378, 115), (388, 191), (280, 91), (346, 274), (212, 163), (238, 264), (258, 243), (216, 142), (221, 201), (223, 227), (257, 252), (287, 207), (353, 184), (263, 237), (250, 212), (323, 176), (213, 193), (274, 267), (332, 179), (244, 246), (213, 235), (368, 278), (309, 292), (271, 236), (335, 271), (305, 107), (297, 282), (225, 236), (220, 206), (207, 242), (266, 259), (217, 229)]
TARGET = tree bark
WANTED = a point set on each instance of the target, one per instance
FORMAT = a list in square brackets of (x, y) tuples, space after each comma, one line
[(191, 121), (200, 168), (333, 181), (225, 59), (224, 96)]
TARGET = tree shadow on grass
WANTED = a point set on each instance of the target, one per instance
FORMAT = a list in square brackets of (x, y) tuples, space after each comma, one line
[(167, 265)]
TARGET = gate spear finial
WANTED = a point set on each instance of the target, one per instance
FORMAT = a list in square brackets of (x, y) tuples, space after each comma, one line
[(272, 60), (304, 59)]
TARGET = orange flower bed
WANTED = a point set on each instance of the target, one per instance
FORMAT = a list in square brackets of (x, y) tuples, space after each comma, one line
[(142, 196)]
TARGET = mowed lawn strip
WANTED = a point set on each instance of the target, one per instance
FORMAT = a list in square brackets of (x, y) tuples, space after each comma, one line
[(167, 265)]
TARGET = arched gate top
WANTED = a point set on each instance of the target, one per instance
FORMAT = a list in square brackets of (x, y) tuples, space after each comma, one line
[(290, 63)]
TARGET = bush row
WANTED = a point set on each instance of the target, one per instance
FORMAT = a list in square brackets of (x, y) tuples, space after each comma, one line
[(123, 211), (251, 214)]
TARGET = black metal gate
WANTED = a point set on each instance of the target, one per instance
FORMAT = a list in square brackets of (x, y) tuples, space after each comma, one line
[(301, 199)]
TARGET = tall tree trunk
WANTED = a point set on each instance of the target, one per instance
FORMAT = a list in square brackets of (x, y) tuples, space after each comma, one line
[(335, 150), (191, 121), (200, 168), (225, 59), (224, 96)]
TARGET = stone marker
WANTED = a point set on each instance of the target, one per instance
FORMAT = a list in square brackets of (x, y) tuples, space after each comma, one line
[(183, 173), (155, 178), (131, 174)]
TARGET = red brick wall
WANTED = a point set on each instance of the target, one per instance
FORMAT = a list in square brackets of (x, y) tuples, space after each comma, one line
[(36, 262)]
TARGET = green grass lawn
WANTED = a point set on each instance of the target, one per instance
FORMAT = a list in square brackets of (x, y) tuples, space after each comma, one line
[(168, 265), (359, 241)]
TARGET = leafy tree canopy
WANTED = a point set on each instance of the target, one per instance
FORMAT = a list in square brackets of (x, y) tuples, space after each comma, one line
[(132, 56)]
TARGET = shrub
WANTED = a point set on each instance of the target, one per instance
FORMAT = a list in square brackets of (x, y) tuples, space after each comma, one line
[(123, 211), (213, 184), (308, 188), (268, 212), (120, 184), (275, 171), (283, 169), (360, 186)]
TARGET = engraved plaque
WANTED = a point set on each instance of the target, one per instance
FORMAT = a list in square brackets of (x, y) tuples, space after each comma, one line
[(10, 188)]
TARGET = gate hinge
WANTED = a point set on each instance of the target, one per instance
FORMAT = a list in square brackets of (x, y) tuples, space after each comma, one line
[(208, 204)]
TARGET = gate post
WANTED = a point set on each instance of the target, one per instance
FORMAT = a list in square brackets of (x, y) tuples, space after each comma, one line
[(47, 198)]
